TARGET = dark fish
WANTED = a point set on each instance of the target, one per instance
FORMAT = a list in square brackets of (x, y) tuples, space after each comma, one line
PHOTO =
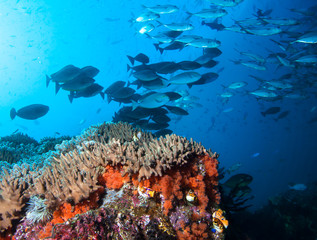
[(154, 84), (160, 118), (168, 68), (172, 34), (142, 58), (115, 87), (66, 74), (172, 46), (210, 64), (90, 71), (90, 91), (130, 99), (122, 93), (31, 112), (205, 78), (145, 75), (137, 68), (152, 126), (163, 132), (163, 66), (189, 65), (271, 110), (312, 120), (173, 95), (80, 82), (282, 115), (176, 110), (214, 25), (238, 180), (212, 52)]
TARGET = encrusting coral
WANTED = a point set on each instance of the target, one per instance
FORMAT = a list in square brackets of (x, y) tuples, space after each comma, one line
[(167, 185)]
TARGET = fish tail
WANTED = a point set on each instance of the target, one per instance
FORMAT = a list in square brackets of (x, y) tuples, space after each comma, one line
[(48, 79), (189, 15), (263, 114), (57, 87), (13, 113), (131, 59), (102, 94), (134, 105), (128, 67)]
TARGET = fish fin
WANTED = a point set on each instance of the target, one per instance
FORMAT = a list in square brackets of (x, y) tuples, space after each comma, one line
[(48, 79), (134, 105), (57, 87), (102, 94), (128, 67), (70, 97), (189, 15), (131, 59), (203, 23), (189, 85), (109, 99), (13, 113)]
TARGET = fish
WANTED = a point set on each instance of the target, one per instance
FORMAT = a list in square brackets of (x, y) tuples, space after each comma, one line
[(209, 13), (282, 115), (185, 78), (90, 91), (227, 110), (177, 110), (307, 59), (89, 71), (162, 9), (30, 112), (205, 78), (147, 28), (115, 87), (173, 95), (65, 74), (271, 110), (204, 43), (163, 132), (187, 38), (264, 94), (145, 17), (151, 100), (80, 82), (225, 3), (172, 46), (237, 85), (145, 75), (226, 95), (297, 187), (261, 31), (254, 155), (234, 168), (310, 37), (141, 57), (188, 65), (120, 94), (178, 27), (214, 25), (238, 180)]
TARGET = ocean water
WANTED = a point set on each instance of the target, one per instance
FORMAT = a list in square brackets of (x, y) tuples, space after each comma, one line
[(38, 38)]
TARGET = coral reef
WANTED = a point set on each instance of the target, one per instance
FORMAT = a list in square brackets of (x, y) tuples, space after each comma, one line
[(118, 182)]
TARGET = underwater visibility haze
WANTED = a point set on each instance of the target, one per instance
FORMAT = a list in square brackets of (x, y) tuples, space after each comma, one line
[(237, 76)]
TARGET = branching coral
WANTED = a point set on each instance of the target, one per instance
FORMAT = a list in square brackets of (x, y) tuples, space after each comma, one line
[(150, 179)]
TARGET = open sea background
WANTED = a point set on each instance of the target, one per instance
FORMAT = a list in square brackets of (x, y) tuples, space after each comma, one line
[(40, 37)]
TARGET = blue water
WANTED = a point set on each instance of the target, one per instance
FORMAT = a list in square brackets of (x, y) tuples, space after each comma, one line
[(41, 37)]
